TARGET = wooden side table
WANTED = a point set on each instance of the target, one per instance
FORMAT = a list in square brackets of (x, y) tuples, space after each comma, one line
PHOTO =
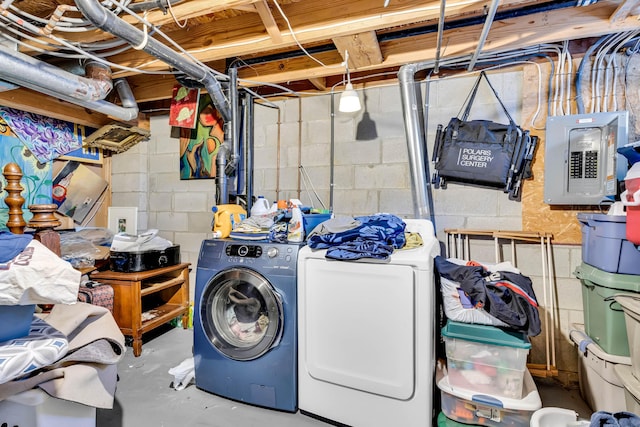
[(147, 299)]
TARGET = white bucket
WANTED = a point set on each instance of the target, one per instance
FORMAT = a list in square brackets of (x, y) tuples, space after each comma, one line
[(556, 417)]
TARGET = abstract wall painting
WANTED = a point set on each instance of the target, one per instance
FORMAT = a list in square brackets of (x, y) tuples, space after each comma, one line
[(199, 146), (45, 137)]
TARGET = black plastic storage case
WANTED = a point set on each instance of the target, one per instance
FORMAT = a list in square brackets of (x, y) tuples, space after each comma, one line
[(129, 262)]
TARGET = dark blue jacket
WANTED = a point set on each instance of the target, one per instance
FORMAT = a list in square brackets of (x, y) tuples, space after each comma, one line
[(505, 295)]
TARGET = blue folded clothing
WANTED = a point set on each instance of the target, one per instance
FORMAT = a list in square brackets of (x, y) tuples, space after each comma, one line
[(12, 244), (627, 419), (619, 419), (359, 249)]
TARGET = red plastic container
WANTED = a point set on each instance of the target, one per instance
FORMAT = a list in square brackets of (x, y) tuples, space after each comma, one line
[(631, 199)]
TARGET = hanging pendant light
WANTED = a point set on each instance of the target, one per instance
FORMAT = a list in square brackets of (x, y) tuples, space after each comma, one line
[(349, 100)]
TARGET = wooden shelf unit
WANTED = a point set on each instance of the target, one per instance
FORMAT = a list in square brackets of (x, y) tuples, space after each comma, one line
[(147, 299)]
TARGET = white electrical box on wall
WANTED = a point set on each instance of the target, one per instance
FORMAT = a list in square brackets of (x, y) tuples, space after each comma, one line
[(581, 165)]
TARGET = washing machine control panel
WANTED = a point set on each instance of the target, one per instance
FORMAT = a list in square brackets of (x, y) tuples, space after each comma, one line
[(244, 251)]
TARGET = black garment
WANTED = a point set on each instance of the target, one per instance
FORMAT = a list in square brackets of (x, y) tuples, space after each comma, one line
[(505, 295)]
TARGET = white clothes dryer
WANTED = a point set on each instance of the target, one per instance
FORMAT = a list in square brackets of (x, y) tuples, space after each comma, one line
[(366, 336)]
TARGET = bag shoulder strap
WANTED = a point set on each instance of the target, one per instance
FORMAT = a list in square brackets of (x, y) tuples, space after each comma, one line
[(472, 96)]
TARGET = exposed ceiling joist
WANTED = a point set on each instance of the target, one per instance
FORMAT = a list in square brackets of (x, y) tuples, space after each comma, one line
[(379, 39), (313, 22), (363, 49), (624, 10), (319, 83), (267, 19), (37, 103), (520, 32)]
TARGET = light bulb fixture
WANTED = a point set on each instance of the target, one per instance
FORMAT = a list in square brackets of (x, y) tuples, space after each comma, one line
[(349, 100)]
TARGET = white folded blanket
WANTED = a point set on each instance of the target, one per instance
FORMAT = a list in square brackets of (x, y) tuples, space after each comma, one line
[(38, 276)]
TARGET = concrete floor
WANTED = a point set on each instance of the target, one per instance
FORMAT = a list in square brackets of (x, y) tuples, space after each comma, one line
[(145, 398)]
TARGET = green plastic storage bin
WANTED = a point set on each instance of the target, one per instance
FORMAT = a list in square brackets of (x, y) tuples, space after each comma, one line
[(603, 316), (443, 421)]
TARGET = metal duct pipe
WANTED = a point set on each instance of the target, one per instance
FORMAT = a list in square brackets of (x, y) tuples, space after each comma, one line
[(126, 95), (100, 74), (111, 23), (249, 145), (413, 118), (235, 121), (31, 73), (222, 184)]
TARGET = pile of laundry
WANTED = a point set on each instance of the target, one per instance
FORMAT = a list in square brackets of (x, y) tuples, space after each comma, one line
[(373, 237), (73, 351), (497, 295)]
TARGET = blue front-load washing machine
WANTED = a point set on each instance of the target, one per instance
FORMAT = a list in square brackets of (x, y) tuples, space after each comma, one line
[(245, 322)]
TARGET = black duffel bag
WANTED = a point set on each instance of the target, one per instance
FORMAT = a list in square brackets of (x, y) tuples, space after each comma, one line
[(479, 152)]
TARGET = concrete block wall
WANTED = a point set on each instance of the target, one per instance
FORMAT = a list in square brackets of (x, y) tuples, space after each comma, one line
[(369, 177), (148, 176)]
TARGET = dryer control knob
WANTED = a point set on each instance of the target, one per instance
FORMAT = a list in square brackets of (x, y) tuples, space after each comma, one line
[(272, 252)]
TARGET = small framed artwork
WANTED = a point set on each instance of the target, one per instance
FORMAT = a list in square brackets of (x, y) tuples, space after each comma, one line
[(184, 107), (85, 155), (123, 220)]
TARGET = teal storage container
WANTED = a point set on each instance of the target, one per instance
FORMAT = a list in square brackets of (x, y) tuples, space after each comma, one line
[(603, 316)]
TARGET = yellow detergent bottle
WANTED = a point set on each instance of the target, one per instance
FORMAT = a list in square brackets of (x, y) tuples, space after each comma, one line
[(225, 218)]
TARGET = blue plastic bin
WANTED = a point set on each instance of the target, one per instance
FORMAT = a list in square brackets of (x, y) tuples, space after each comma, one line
[(311, 220), (604, 244)]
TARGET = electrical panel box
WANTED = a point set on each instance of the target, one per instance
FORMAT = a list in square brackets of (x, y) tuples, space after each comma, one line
[(581, 164)]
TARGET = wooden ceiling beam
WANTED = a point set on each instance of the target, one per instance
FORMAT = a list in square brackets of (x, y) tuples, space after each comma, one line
[(623, 10), (319, 83), (182, 11), (245, 34), (512, 34), (269, 22), (363, 49), (515, 33), (44, 105)]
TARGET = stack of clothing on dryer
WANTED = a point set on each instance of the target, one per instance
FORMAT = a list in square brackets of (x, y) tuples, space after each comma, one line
[(372, 237), (491, 312)]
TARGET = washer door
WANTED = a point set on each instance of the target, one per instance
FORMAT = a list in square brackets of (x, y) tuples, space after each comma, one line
[(241, 314)]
